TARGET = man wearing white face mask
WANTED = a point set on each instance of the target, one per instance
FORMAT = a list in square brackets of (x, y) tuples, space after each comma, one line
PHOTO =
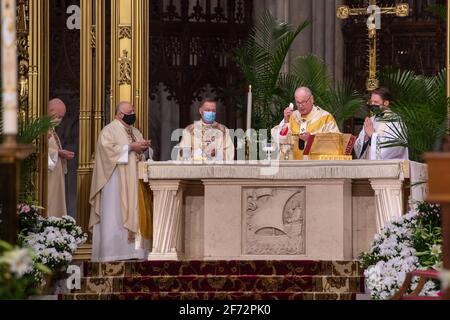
[(206, 139), (57, 163)]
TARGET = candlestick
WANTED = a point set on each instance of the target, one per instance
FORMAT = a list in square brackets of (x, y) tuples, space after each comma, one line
[(249, 108), (9, 66)]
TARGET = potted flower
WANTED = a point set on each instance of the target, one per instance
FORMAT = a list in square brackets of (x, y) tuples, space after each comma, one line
[(53, 240), (410, 243)]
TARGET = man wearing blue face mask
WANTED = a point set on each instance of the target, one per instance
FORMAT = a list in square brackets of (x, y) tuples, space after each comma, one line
[(206, 139)]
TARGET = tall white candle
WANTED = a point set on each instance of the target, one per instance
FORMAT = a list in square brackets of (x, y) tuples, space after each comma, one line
[(249, 108), (9, 66)]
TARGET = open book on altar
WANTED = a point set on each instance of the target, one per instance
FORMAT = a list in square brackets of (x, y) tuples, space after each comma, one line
[(330, 146)]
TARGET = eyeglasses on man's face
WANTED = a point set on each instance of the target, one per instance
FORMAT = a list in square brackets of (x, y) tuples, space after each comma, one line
[(301, 104)]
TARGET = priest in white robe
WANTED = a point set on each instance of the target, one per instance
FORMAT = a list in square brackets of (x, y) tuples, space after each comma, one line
[(380, 129), (120, 222), (57, 163)]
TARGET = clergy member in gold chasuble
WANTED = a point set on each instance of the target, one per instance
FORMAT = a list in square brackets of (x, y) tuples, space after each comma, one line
[(300, 124), (120, 210), (206, 139), (57, 163)]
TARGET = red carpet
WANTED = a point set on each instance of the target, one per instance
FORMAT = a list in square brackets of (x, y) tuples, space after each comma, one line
[(220, 280)]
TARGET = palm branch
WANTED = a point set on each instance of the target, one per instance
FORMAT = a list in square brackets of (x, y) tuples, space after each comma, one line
[(29, 132), (261, 59), (422, 106), (342, 102)]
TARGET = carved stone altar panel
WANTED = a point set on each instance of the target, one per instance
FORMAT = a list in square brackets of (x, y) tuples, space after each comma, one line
[(274, 221)]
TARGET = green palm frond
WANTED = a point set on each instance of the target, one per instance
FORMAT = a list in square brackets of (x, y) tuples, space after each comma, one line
[(312, 72), (261, 59), (397, 137), (422, 104), (29, 132), (287, 84), (421, 129), (403, 84), (342, 102)]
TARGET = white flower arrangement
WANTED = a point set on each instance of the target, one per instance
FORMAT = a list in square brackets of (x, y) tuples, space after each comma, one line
[(394, 253), (16, 272), (54, 240)]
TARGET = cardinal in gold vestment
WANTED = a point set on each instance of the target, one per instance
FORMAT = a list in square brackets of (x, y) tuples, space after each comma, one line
[(308, 120)]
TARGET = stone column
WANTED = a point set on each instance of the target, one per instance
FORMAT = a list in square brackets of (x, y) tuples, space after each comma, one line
[(167, 220), (388, 200)]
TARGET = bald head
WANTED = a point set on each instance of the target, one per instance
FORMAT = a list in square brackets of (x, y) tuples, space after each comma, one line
[(304, 100), (124, 107), (125, 113), (304, 91), (57, 110)]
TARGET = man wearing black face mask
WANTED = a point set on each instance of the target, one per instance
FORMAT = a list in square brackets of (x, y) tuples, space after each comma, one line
[(121, 227), (378, 129)]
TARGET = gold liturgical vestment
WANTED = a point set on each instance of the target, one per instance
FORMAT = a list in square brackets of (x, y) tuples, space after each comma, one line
[(133, 200), (206, 142), (317, 121), (57, 169)]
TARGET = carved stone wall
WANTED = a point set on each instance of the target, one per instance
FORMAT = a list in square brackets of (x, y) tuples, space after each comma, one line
[(269, 231)]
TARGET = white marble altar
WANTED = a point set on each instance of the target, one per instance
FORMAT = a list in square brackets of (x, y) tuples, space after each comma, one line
[(322, 210)]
